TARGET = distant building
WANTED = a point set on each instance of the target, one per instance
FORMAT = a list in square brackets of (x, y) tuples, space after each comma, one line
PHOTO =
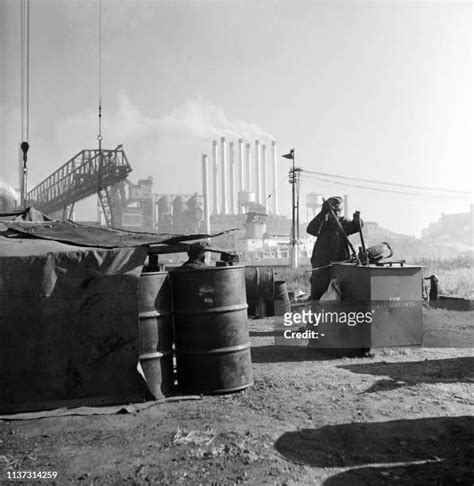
[(457, 227)]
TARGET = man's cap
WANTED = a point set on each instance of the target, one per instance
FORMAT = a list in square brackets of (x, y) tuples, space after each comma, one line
[(335, 200), (198, 248)]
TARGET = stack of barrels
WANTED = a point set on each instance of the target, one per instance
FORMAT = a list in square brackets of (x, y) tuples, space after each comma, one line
[(194, 322)]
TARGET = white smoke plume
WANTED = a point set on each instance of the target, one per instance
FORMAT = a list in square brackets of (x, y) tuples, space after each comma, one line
[(206, 120), (196, 119), (162, 146), (8, 197)]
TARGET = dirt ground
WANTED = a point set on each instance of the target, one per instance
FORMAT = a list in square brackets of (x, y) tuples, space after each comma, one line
[(400, 417)]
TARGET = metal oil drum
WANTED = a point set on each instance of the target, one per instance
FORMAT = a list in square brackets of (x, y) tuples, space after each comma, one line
[(156, 332), (281, 304), (259, 286), (259, 282), (211, 329)]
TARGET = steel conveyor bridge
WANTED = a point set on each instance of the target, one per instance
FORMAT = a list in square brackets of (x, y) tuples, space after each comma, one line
[(91, 171)]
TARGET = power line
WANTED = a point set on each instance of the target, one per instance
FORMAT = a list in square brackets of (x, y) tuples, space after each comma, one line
[(371, 181), (279, 184), (386, 190)]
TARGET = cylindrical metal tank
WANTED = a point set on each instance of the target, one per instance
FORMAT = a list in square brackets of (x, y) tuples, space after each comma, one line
[(156, 332), (164, 204), (259, 283), (246, 198), (260, 290), (179, 205), (211, 330), (194, 202), (281, 303)]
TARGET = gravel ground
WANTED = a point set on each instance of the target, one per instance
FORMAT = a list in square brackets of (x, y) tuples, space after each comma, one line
[(402, 416)]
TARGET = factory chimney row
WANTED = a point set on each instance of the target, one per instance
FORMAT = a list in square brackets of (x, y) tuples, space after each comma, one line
[(239, 180)]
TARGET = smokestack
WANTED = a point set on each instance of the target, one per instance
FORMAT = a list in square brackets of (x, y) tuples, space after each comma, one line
[(224, 206), (275, 178), (205, 194), (264, 176), (258, 196), (346, 206), (232, 181), (241, 171), (248, 154), (215, 192)]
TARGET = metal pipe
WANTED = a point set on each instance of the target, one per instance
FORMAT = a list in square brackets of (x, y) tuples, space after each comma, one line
[(241, 208), (224, 207), (264, 177), (215, 191), (275, 178), (232, 184), (248, 154), (241, 165), (205, 194), (258, 196)]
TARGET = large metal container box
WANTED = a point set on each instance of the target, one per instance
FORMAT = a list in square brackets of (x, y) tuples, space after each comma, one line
[(381, 306)]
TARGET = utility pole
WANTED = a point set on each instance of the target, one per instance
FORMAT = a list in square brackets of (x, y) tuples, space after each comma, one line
[(294, 238)]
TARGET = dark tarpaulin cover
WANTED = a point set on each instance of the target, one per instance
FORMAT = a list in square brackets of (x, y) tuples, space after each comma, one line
[(68, 324), (97, 236)]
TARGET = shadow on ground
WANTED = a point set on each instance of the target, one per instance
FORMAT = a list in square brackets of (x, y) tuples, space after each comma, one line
[(277, 354), (442, 445), (452, 370)]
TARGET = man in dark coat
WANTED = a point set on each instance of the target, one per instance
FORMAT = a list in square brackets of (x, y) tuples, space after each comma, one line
[(330, 246)]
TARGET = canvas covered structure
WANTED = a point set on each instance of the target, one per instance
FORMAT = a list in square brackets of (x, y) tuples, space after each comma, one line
[(68, 324), (69, 314)]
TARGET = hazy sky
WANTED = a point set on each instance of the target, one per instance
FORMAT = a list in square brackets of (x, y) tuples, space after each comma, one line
[(375, 90)]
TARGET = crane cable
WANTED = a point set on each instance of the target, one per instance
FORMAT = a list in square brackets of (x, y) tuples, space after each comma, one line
[(99, 136), (25, 94)]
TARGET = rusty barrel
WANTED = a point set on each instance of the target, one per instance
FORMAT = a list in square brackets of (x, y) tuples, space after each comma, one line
[(281, 304), (211, 329), (156, 332), (259, 286)]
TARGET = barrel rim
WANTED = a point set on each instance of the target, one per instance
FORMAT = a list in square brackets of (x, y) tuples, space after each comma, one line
[(204, 269), (206, 352), (210, 310)]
